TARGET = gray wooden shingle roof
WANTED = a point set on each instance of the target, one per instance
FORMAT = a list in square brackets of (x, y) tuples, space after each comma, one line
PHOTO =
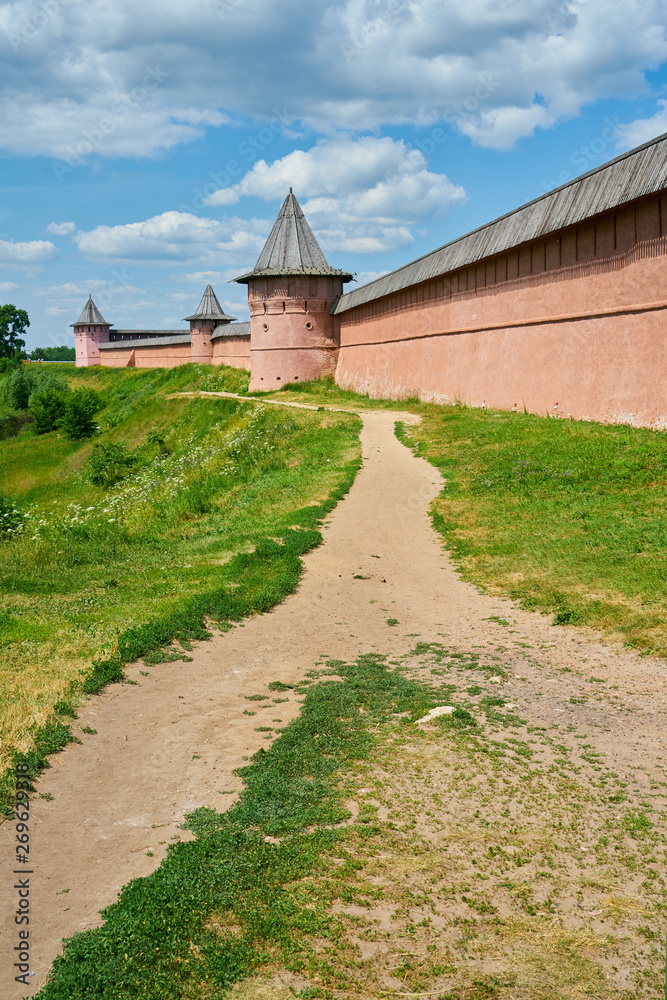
[(291, 248), (231, 330), (639, 172), (91, 316), (160, 341), (210, 308)]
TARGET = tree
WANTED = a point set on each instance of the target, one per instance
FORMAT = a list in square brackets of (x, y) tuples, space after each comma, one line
[(17, 387), (78, 419), (48, 403), (109, 463), (13, 323)]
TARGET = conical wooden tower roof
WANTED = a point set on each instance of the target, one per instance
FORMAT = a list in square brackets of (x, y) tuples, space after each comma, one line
[(291, 248), (210, 308), (91, 316)]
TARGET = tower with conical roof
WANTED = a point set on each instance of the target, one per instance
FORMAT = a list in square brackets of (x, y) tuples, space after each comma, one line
[(90, 330), (203, 322), (290, 292)]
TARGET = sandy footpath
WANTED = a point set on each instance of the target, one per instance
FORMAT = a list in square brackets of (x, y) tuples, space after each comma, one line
[(170, 742)]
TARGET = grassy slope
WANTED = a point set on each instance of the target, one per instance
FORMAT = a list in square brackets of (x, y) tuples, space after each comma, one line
[(109, 576), (564, 516)]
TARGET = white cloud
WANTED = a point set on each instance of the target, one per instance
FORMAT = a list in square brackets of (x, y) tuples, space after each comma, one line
[(643, 129), (134, 79), (363, 277), (22, 254), (72, 289), (362, 194), (501, 127), (57, 311), (175, 236), (61, 228), (8, 286)]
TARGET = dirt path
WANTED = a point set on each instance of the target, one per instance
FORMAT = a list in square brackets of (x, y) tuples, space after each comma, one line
[(170, 742)]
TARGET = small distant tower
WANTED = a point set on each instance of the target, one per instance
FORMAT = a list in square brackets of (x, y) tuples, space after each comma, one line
[(90, 330), (208, 316), (290, 292)]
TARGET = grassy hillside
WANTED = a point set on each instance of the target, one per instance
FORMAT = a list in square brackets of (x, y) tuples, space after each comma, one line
[(563, 515), (99, 576)]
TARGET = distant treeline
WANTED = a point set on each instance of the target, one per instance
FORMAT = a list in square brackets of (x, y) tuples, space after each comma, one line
[(53, 354)]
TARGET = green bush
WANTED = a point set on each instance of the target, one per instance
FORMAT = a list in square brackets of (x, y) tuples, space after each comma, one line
[(109, 463), (17, 387), (48, 402), (78, 419)]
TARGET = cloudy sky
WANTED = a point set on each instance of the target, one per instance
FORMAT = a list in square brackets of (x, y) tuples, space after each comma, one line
[(146, 148)]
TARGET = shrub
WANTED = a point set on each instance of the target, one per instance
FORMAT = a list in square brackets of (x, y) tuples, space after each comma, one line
[(78, 419), (48, 403), (109, 463), (17, 388)]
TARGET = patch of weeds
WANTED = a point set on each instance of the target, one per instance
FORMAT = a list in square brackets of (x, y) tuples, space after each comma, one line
[(637, 823), (279, 686), (89, 730)]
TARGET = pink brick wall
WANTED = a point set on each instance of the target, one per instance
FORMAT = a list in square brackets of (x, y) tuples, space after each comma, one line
[(578, 320), (167, 356), (232, 351)]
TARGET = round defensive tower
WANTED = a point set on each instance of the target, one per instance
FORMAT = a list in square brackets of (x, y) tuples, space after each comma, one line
[(293, 337), (203, 324), (90, 330)]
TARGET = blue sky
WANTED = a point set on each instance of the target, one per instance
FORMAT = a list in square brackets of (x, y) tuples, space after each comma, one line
[(146, 149)]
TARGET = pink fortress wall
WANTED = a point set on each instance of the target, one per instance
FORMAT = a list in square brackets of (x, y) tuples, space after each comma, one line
[(167, 356), (232, 351), (578, 320)]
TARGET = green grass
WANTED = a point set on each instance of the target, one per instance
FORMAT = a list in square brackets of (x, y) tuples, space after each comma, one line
[(564, 516), (214, 529)]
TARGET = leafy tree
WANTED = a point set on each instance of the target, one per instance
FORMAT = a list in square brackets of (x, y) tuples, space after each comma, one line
[(13, 323), (109, 463), (17, 388), (48, 403), (78, 420), (53, 354)]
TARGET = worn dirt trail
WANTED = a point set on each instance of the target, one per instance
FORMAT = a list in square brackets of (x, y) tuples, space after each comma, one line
[(170, 742)]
